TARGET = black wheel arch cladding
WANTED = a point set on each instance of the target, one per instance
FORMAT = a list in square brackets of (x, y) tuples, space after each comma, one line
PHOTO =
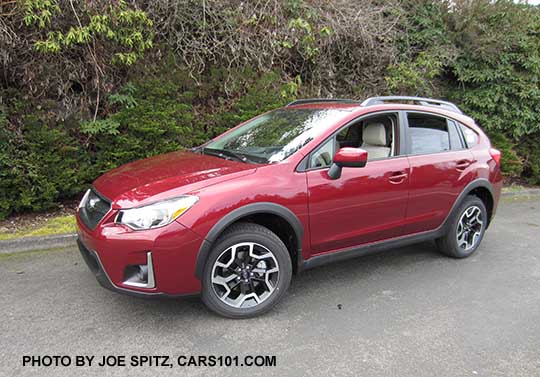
[(242, 212)]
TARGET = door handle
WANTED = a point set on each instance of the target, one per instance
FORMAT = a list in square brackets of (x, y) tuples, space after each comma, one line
[(397, 177), (463, 164)]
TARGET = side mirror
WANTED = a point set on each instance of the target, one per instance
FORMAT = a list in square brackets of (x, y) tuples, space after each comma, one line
[(347, 158)]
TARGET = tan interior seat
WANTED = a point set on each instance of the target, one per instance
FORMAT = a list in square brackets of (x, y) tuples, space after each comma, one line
[(374, 141)]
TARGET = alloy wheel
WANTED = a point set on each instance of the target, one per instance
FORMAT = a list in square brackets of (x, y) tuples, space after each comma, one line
[(469, 229), (245, 275)]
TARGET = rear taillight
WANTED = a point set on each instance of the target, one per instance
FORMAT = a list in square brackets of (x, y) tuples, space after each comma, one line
[(496, 154)]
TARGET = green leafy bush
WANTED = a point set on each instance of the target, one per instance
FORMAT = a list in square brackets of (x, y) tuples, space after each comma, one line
[(529, 150), (163, 113), (511, 164), (498, 77), (39, 160), (126, 28), (485, 56), (87, 86), (425, 51), (44, 160)]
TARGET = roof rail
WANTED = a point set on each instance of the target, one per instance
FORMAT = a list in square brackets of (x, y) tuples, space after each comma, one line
[(321, 100), (419, 100)]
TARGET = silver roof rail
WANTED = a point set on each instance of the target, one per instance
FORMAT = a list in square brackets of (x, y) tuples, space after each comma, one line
[(419, 100), (322, 100)]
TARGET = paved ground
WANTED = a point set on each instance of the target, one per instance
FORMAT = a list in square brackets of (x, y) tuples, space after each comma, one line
[(406, 312)]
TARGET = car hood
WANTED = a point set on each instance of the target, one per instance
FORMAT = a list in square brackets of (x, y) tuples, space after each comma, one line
[(165, 176)]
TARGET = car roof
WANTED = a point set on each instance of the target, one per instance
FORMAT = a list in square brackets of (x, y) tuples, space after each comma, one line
[(376, 104), (423, 101)]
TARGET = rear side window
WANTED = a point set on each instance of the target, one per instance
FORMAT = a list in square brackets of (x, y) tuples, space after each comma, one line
[(471, 137), (427, 134)]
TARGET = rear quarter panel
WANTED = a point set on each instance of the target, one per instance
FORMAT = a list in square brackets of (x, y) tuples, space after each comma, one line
[(485, 166)]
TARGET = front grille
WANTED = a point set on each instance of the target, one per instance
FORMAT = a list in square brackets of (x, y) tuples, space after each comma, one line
[(94, 209)]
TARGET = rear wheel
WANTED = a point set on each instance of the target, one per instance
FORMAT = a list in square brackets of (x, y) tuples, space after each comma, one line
[(247, 272), (466, 230)]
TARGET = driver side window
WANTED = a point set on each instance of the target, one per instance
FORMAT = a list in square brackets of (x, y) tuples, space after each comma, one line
[(376, 134)]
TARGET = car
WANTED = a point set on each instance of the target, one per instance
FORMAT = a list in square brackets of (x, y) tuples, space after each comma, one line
[(316, 181)]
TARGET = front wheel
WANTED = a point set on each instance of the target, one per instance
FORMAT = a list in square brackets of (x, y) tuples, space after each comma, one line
[(466, 230), (247, 272)]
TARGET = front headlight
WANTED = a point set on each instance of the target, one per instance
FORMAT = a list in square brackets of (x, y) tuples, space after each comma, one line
[(157, 214)]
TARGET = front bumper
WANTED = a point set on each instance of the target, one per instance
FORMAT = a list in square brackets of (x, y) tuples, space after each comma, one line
[(94, 264), (110, 249)]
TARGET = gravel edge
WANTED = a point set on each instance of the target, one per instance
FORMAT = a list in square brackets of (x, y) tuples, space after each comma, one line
[(19, 245)]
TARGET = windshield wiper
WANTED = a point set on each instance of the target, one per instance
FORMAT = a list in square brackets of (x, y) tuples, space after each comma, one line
[(223, 153)]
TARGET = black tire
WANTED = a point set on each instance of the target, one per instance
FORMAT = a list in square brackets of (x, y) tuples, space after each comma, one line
[(246, 233), (449, 245)]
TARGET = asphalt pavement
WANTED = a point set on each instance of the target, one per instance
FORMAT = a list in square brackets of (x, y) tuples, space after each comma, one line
[(404, 312)]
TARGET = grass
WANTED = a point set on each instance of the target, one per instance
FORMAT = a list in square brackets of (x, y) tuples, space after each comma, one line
[(513, 188), (31, 253), (56, 225)]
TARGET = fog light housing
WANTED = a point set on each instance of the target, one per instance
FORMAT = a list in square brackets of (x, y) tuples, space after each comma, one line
[(140, 275)]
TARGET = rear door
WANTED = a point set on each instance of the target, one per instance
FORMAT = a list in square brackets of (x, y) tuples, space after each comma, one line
[(440, 169)]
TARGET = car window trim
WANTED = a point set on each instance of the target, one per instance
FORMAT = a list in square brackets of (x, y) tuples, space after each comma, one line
[(462, 135), (453, 129)]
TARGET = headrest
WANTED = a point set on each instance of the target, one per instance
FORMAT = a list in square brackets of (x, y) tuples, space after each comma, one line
[(375, 134)]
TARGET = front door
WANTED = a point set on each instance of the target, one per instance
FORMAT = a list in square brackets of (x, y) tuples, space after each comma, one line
[(365, 204)]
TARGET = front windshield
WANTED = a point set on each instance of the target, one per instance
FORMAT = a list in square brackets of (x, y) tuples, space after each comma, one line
[(274, 136)]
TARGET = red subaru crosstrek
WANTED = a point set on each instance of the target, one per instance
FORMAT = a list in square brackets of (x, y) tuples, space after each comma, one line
[(319, 180)]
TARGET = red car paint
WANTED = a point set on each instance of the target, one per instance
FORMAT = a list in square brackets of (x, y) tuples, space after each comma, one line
[(384, 200), (351, 157)]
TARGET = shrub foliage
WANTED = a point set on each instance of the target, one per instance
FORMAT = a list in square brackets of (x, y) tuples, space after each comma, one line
[(88, 85)]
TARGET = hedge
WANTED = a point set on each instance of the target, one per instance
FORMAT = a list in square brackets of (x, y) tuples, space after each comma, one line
[(87, 86)]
